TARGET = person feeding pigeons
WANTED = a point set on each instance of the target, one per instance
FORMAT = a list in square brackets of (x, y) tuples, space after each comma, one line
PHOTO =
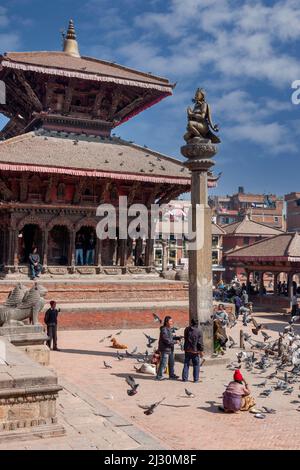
[(166, 343)]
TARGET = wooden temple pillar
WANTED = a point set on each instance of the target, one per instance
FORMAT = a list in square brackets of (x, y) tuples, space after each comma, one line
[(45, 248), (261, 283), (72, 253), (10, 247), (290, 287), (123, 252), (98, 252), (248, 274), (138, 250), (275, 280)]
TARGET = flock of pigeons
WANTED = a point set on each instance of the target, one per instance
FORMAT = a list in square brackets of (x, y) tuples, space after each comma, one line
[(279, 359)]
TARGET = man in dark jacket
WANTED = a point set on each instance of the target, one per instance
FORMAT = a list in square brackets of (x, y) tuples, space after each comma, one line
[(193, 348), (166, 343), (51, 322)]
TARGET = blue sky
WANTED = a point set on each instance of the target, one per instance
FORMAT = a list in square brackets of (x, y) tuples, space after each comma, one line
[(245, 53)]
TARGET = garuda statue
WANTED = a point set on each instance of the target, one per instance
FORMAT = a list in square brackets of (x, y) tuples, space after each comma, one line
[(22, 304), (200, 120)]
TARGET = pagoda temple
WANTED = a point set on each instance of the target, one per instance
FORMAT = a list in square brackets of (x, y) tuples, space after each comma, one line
[(59, 159)]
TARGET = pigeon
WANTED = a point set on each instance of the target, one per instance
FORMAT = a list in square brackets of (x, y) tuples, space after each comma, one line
[(266, 393), (106, 365), (247, 336), (119, 332), (150, 340), (294, 319), (280, 385), (132, 384), (128, 354), (119, 356), (259, 416), (271, 376), (232, 342), (150, 409), (101, 340), (134, 350), (269, 410), (262, 384), (266, 336), (288, 391), (188, 393), (257, 327), (156, 318), (108, 337)]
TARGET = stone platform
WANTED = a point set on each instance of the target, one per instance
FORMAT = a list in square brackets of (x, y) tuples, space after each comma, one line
[(28, 393), (30, 339)]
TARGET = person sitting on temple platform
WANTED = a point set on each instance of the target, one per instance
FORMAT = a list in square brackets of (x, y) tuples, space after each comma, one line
[(79, 242), (237, 395), (34, 264), (90, 250)]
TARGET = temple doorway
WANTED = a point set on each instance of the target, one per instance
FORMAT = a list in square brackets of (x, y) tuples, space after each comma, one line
[(58, 246), (29, 237)]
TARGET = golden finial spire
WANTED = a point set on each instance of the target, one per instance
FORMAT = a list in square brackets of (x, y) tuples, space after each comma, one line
[(70, 43)]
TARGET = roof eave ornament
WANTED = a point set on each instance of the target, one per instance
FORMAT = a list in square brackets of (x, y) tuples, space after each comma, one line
[(70, 42)]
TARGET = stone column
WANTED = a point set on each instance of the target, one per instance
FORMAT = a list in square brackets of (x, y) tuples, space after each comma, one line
[(199, 152)]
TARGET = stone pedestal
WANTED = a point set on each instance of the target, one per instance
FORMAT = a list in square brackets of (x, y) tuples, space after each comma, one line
[(28, 394), (29, 339), (199, 152)]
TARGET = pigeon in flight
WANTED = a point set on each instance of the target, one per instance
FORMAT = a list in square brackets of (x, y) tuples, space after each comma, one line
[(257, 327), (134, 350), (150, 409), (150, 340), (266, 336), (132, 384), (106, 365), (156, 318)]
